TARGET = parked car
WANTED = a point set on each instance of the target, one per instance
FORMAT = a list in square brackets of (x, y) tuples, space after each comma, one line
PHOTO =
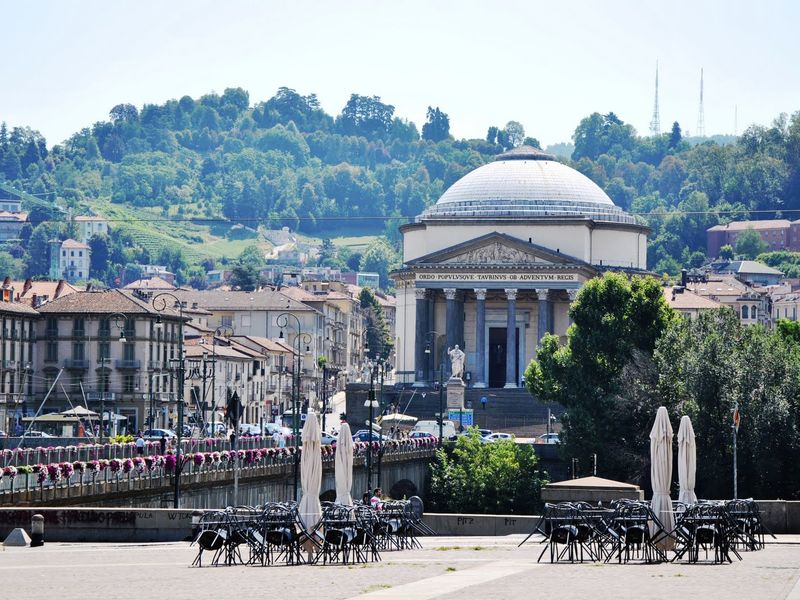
[(220, 428), (249, 429), (496, 437), (549, 438), (362, 435), (328, 439), (432, 427), (157, 434), (271, 428), (40, 434), (421, 435)]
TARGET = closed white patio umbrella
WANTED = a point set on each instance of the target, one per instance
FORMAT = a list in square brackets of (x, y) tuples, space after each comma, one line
[(310, 473), (661, 475), (344, 466), (687, 461)]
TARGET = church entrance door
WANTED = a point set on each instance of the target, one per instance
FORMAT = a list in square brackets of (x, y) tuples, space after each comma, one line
[(497, 356)]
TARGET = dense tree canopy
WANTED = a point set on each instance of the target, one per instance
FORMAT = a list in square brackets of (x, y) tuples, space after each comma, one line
[(286, 162)]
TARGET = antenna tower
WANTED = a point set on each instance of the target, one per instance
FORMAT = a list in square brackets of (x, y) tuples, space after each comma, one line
[(655, 122), (701, 118)]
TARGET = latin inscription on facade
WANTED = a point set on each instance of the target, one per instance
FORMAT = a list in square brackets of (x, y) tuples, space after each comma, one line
[(537, 277)]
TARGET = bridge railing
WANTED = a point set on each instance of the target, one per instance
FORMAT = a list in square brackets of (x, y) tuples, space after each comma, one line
[(101, 476), (87, 452)]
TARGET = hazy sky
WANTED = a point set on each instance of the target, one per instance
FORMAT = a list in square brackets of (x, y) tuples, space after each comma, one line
[(545, 64)]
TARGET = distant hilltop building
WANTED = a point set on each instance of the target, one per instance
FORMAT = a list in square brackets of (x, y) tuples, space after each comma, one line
[(777, 234), (69, 260), (89, 226)]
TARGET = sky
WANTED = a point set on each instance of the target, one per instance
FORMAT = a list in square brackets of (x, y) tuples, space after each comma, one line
[(544, 64)]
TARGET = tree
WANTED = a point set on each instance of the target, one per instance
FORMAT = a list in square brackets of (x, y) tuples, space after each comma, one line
[(125, 113), (749, 244), (245, 277), (38, 257), (379, 337), (99, 244), (365, 115), (9, 266), (478, 478), (437, 128), (617, 322), (380, 258), (709, 365), (514, 133), (726, 252), (675, 135)]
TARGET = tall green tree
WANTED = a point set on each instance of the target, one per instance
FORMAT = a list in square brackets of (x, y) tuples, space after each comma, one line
[(616, 323), (437, 127)]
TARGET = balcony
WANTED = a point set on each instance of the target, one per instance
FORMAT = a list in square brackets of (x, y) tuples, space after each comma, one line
[(97, 396), (127, 364), (76, 363), (51, 332), (78, 333), (155, 365)]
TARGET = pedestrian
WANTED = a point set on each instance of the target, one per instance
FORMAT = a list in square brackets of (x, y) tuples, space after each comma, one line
[(276, 438), (162, 444), (376, 501), (139, 444)]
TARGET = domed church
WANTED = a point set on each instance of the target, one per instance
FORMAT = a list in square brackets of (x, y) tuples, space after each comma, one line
[(494, 264)]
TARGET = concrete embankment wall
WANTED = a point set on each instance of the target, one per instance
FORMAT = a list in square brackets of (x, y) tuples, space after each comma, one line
[(168, 525)]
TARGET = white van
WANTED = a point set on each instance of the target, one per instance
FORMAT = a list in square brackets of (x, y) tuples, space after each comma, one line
[(432, 427)]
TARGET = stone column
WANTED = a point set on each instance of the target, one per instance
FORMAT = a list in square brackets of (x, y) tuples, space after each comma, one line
[(511, 339), (545, 320), (452, 317), (572, 295), (480, 339), (420, 339), (430, 340)]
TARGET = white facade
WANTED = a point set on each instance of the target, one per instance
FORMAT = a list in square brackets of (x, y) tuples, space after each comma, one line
[(90, 226), (74, 260)]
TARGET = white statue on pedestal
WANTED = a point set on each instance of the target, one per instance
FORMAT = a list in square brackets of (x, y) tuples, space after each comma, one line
[(456, 362)]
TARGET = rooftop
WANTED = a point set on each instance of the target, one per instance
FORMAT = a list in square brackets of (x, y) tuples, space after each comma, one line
[(743, 225), (688, 300), (151, 283), (70, 243), (230, 300), (103, 303)]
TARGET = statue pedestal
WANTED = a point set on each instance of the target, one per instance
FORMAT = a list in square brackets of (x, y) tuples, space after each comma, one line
[(455, 393)]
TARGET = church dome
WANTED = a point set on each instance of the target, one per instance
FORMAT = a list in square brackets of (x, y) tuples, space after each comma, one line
[(525, 183)]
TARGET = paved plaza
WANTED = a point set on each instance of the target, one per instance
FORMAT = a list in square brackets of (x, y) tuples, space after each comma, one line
[(447, 568)]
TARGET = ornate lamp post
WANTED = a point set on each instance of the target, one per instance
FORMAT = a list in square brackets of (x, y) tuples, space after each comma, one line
[(120, 321), (160, 305), (283, 321), (428, 338)]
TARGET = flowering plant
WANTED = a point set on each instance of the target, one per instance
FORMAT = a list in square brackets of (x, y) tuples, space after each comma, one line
[(66, 469), (127, 465), (93, 466), (10, 472), (115, 465), (198, 458), (53, 472), (170, 462), (215, 458), (41, 473), (79, 466)]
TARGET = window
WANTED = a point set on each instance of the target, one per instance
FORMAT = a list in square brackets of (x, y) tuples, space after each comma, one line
[(51, 352), (753, 312), (78, 326), (745, 312), (129, 384), (245, 320), (78, 351), (129, 352), (52, 326), (226, 320), (103, 351)]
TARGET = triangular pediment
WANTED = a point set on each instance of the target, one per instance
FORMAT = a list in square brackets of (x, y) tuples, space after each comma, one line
[(496, 249)]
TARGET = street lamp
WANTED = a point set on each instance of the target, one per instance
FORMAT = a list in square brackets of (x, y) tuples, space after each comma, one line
[(160, 305), (120, 321), (283, 321)]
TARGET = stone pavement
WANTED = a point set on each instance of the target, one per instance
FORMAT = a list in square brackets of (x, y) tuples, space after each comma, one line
[(448, 568)]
